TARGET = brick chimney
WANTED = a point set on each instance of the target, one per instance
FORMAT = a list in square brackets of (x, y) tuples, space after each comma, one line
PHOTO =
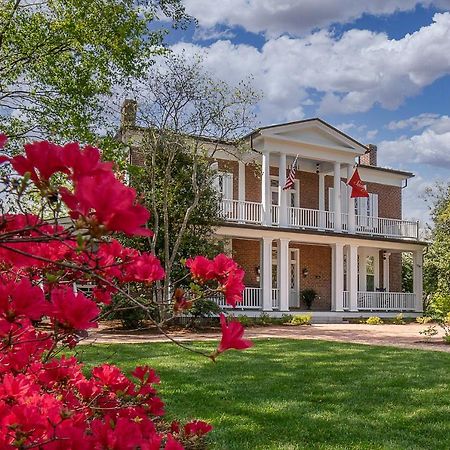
[(370, 157), (128, 113)]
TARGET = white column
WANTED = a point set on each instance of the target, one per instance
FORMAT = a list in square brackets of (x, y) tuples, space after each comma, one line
[(321, 200), (265, 190), (362, 270), (338, 275), (283, 271), (282, 195), (351, 204), (418, 278), (241, 186), (267, 274), (386, 256), (337, 197), (352, 277)]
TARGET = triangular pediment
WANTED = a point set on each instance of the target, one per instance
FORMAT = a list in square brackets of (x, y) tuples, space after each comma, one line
[(314, 132)]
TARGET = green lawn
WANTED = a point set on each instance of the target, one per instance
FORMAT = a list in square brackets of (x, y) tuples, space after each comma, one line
[(286, 394)]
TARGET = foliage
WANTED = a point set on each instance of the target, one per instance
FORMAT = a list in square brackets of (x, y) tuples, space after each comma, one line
[(423, 320), (201, 309), (62, 59), (408, 388), (437, 258), (182, 117), (374, 320), (407, 272), (429, 332), (399, 319), (302, 319), (308, 296), (46, 400)]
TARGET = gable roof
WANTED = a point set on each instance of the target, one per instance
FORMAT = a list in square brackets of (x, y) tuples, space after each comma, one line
[(298, 122)]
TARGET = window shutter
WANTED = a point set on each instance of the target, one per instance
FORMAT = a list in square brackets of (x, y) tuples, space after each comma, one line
[(373, 205)]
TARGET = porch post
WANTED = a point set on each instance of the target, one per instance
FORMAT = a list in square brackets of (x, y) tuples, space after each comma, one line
[(321, 200), (418, 278), (241, 187), (386, 256), (267, 274), (283, 271), (352, 276), (282, 195), (337, 197), (338, 276), (351, 204), (265, 189), (362, 270)]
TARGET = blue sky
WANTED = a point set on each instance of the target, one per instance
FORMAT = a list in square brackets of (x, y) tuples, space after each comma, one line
[(378, 70)]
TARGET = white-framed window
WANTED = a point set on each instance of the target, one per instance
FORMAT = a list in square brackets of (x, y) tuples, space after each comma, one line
[(223, 183), (364, 206), (293, 199)]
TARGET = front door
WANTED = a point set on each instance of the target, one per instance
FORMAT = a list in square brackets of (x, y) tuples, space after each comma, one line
[(294, 288)]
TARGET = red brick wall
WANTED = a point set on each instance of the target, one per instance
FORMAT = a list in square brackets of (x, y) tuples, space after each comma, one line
[(231, 167), (247, 254), (395, 271), (317, 259), (389, 200)]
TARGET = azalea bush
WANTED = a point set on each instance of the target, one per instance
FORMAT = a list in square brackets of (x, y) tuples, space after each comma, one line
[(62, 207)]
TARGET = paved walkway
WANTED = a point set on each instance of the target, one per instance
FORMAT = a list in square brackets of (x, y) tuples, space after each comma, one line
[(406, 336)]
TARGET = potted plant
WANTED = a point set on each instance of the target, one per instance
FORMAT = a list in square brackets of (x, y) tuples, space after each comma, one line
[(308, 296)]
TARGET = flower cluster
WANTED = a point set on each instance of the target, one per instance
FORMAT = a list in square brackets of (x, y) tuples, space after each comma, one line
[(222, 269), (47, 401)]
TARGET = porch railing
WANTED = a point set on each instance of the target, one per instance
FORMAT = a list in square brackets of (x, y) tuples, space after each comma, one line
[(275, 299), (238, 211), (382, 301), (250, 300), (310, 218), (306, 218)]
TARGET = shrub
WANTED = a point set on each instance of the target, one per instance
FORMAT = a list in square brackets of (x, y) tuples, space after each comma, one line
[(423, 320), (374, 320), (246, 321), (302, 319), (202, 309), (308, 296), (49, 401), (429, 332), (264, 319), (398, 319)]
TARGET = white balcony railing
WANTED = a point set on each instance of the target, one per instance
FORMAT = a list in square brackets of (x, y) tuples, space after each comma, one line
[(305, 218), (238, 211), (386, 301), (310, 218)]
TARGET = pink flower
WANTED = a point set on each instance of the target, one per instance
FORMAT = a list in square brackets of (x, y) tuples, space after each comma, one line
[(197, 428), (222, 265), (72, 310), (201, 268), (232, 336), (111, 203), (144, 268), (233, 287)]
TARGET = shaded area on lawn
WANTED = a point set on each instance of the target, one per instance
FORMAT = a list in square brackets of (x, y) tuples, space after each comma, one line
[(289, 394)]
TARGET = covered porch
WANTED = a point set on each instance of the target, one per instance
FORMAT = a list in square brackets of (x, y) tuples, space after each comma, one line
[(356, 277)]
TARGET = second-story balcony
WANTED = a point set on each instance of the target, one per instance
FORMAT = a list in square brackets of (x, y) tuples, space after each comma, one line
[(253, 213)]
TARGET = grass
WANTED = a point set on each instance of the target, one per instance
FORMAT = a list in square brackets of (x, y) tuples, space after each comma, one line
[(290, 394)]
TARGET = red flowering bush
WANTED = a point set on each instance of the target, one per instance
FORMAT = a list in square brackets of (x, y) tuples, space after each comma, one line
[(47, 401)]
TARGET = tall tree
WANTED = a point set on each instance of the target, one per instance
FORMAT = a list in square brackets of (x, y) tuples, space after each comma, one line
[(437, 258), (185, 117), (60, 59)]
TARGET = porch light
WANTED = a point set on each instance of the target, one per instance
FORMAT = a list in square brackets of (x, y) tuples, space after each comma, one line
[(258, 270), (305, 272)]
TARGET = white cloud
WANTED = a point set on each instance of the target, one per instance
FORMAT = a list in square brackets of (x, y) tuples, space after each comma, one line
[(277, 17), (431, 146), (353, 73), (433, 121)]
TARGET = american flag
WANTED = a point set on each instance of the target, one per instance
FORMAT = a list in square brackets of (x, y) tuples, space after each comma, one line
[(290, 180)]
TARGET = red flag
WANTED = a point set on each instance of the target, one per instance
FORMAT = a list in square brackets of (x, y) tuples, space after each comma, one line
[(358, 187), (290, 180)]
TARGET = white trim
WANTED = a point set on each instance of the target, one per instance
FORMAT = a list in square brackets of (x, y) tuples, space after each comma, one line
[(241, 186)]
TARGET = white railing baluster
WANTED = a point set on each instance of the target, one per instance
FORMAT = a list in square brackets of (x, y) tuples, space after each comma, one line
[(386, 301)]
